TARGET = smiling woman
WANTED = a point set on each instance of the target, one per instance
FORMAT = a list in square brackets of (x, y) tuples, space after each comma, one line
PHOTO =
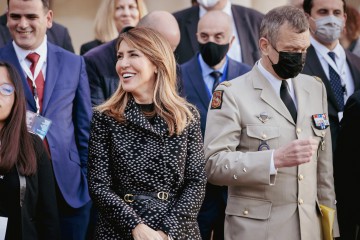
[(146, 160)]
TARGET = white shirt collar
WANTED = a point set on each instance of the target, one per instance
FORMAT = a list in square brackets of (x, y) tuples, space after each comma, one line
[(41, 50), (338, 50)]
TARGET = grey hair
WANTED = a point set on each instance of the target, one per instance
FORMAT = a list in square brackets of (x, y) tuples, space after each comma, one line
[(276, 17)]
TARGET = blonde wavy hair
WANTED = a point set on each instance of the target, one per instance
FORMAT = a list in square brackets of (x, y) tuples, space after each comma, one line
[(174, 109), (104, 23)]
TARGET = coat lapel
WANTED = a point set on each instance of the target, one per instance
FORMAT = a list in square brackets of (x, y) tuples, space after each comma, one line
[(195, 77), (134, 115), (53, 67), (268, 94), (302, 93)]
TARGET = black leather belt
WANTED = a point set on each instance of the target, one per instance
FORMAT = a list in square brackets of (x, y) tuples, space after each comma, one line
[(130, 197)]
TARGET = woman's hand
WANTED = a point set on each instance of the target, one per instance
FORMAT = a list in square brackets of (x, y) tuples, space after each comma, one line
[(163, 235), (143, 232)]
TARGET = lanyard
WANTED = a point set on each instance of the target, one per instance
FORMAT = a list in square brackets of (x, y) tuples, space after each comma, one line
[(32, 78)]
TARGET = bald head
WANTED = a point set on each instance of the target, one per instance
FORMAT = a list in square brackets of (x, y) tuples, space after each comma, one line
[(213, 25), (165, 23)]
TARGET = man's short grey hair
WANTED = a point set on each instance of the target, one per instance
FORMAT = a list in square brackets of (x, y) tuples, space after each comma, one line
[(277, 17)]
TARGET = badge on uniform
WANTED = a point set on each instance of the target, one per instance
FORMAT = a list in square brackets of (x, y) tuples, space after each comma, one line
[(263, 146), (263, 117), (216, 101), (321, 121)]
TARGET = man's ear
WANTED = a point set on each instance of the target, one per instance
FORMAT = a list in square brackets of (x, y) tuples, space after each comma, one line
[(264, 46)]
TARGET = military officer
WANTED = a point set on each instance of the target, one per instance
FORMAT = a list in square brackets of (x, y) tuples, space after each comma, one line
[(267, 138)]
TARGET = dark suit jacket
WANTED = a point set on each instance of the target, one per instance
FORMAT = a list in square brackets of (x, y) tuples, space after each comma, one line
[(313, 67), (100, 66), (194, 88), (57, 34), (347, 169), (89, 45), (247, 23), (67, 104)]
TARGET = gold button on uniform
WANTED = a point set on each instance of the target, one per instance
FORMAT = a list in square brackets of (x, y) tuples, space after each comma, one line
[(264, 136), (298, 130), (301, 177)]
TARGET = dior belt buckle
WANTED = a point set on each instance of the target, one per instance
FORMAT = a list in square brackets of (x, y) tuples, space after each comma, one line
[(129, 198), (163, 195)]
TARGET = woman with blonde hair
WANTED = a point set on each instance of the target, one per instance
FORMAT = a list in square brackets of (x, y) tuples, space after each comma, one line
[(111, 17), (146, 161)]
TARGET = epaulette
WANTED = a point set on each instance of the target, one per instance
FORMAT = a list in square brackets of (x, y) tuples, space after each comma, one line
[(226, 83), (317, 78)]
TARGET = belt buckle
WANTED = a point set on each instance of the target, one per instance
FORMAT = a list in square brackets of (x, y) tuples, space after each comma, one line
[(129, 198), (163, 195)]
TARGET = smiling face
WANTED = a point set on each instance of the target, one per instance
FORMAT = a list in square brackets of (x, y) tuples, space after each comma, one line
[(137, 73), (6, 101), (28, 22), (126, 14)]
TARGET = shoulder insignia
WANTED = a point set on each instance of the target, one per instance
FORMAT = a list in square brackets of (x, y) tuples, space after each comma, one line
[(217, 98), (317, 78), (226, 83)]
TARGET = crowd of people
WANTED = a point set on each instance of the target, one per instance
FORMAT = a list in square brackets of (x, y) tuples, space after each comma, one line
[(213, 122)]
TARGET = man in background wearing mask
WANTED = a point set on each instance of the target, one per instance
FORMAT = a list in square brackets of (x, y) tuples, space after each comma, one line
[(327, 59), (245, 24), (267, 138), (200, 76)]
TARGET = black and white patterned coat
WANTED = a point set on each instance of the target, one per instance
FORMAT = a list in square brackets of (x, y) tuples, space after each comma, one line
[(141, 157)]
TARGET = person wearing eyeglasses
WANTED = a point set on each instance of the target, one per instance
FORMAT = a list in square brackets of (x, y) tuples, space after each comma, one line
[(28, 208)]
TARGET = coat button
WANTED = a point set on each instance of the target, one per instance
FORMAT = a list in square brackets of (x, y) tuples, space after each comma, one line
[(226, 166), (298, 130), (301, 177), (244, 170), (264, 136), (235, 177), (246, 212), (300, 201)]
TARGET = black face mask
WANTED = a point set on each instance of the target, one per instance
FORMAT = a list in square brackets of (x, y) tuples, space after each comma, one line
[(213, 53), (290, 64)]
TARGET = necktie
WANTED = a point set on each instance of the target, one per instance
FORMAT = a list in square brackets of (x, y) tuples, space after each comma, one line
[(39, 82), (216, 75), (287, 99), (38, 91), (335, 83)]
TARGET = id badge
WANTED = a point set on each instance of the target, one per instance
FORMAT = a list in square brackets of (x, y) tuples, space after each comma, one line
[(37, 124), (3, 225)]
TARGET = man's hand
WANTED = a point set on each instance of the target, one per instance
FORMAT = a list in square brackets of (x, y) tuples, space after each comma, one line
[(295, 153)]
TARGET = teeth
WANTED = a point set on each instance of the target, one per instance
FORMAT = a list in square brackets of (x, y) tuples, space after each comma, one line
[(127, 75)]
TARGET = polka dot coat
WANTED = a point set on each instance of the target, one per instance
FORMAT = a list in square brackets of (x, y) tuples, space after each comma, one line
[(139, 157)]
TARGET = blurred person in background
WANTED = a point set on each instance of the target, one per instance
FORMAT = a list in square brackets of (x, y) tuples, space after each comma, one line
[(111, 17), (350, 38), (27, 186), (245, 24)]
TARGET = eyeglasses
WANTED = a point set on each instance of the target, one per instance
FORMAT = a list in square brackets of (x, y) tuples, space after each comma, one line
[(6, 89)]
